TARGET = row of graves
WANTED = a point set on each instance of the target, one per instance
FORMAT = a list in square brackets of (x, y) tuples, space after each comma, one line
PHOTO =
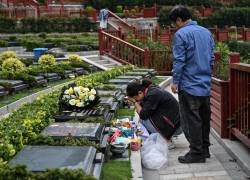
[(92, 121), (8, 86)]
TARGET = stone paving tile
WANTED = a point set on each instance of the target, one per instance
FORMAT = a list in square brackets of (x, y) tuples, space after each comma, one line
[(175, 170)]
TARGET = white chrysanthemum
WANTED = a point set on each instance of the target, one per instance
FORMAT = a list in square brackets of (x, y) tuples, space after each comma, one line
[(66, 97), (77, 89), (73, 96), (86, 89), (66, 91), (91, 97), (72, 102), (80, 104), (93, 91)]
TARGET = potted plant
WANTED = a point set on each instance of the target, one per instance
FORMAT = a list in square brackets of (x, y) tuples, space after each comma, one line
[(220, 92)]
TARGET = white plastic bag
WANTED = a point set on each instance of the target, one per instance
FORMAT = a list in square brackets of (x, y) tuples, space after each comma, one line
[(154, 152)]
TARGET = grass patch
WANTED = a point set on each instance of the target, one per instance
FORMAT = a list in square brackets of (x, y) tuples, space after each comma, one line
[(117, 170), (12, 98), (125, 112), (157, 80)]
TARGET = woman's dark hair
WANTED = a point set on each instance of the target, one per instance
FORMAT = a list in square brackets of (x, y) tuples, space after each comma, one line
[(180, 12), (134, 87)]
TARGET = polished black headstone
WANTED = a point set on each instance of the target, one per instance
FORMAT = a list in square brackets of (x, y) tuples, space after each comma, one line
[(91, 131), (41, 158)]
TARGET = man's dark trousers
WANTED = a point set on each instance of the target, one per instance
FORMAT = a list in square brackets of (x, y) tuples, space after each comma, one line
[(195, 121)]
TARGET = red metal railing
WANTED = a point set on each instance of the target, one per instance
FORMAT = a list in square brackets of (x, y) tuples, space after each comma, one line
[(240, 102), (127, 53), (121, 51), (120, 22)]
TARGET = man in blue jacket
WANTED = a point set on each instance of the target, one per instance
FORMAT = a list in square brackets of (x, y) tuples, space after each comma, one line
[(193, 59)]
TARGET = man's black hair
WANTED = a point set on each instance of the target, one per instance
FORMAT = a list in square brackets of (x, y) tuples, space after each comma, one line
[(180, 11)]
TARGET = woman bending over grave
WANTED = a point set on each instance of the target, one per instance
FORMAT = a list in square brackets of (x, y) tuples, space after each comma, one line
[(157, 108)]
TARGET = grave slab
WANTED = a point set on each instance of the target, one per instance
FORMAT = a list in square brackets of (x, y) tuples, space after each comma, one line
[(109, 101), (41, 158), (51, 77), (91, 131), (120, 81), (2, 91), (130, 77), (16, 85), (134, 73), (121, 87), (80, 71)]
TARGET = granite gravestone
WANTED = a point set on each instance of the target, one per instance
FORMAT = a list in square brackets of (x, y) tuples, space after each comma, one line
[(41, 158), (91, 131), (16, 85)]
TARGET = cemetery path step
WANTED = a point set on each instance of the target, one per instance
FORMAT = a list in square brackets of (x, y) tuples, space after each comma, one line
[(102, 62)]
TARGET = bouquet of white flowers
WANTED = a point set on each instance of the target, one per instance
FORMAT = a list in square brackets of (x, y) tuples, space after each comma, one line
[(79, 97)]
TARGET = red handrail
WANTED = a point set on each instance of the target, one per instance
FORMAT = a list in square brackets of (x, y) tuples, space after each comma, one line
[(111, 14), (240, 102), (122, 41)]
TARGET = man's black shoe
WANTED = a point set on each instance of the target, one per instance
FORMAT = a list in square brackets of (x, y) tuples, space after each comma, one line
[(206, 153), (188, 158)]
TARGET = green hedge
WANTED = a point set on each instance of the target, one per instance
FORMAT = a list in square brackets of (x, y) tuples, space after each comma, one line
[(164, 16), (242, 3), (226, 16), (229, 16), (43, 24), (7, 25), (112, 4)]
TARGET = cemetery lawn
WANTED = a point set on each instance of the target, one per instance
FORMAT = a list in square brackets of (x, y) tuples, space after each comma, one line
[(156, 80), (125, 112), (12, 98), (117, 170)]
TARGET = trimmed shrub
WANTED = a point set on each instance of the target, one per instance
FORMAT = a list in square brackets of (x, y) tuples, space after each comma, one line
[(119, 9), (47, 60), (12, 66), (6, 55), (75, 58)]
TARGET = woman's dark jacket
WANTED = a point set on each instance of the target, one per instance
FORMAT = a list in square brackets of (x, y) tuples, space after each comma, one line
[(162, 109)]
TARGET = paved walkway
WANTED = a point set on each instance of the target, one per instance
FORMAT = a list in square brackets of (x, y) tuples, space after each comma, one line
[(219, 167)]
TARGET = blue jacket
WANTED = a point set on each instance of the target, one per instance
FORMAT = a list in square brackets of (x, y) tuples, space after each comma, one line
[(193, 58)]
